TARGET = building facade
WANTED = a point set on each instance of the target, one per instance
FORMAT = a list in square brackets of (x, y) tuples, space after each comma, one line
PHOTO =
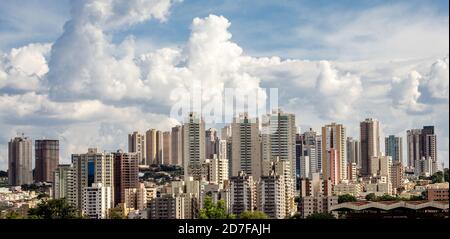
[(46, 154), (20, 161), (370, 143)]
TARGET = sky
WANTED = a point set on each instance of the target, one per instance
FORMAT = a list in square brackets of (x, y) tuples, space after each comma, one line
[(88, 72)]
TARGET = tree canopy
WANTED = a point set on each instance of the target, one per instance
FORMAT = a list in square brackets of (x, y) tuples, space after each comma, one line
[(346, 198), (212, 210), (253, 215), (53, 209)]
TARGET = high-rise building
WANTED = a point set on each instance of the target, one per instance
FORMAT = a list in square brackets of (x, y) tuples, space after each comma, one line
[(397, 175), (126, 174), (167, 151), (136, 198), (280, 167), (334, 152), (422, 143), (271, 196), (353, 151), (316, 196), (278, 139), (246, 146), (370, 143), (136, 144), (424, 167), (309, 147), (319, 153), (394, 148), (298, 154), (193, 146), (352, 173), (19, 161), (168, 206), (154, 146), (381, 168), (177, 145), (219, 170), (96, 201), (242, 193), (305, 167), (88, 169), (62, 181), (333, 168), (47, 159), (211, 143)]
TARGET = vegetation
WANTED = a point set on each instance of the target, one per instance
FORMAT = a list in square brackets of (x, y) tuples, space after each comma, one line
[(321, 216), (116, 213), (14, 215), (211, 210), (438, 177), (53, 209), (386, 197), (346, 198), (371, 197), (253, 215), (3, 174)]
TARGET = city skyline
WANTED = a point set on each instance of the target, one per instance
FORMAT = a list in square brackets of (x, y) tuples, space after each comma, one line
[(332, 62), (261, 131)]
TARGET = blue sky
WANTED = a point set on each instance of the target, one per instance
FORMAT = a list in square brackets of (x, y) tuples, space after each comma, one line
[(112, 69), (260, 27)]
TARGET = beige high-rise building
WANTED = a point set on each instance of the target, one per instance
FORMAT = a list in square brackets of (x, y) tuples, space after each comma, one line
[(19, 161), (246, 146), (370, 143), (282, 168), (193, 146), (219, 170), (136, 198), (278, 139), (88, 169), (136, 144), (397, 175), (154, 146), (334, 138), (177, 145), (167, 148), (271, 196), (381, 168)]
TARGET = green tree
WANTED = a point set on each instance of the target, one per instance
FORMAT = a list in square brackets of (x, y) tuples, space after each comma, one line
[(437, 177), (321, 216), (211, 210), (53, 209), (446, 174), (116, 213), (371, 197), (253, 215), (14, 215), (346, 198), (387, 197)]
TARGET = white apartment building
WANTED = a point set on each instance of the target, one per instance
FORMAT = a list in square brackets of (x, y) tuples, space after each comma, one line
[(96, 201)]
